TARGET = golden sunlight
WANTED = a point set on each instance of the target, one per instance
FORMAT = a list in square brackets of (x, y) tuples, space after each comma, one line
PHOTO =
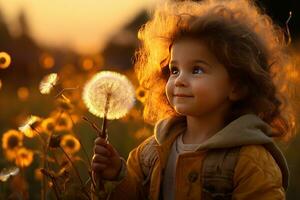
[(84, 26)]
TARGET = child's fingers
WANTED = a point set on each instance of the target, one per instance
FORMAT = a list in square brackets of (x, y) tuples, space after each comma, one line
[(101, 150), (98, 167), (100, 159), (111, 149), (100, 141)]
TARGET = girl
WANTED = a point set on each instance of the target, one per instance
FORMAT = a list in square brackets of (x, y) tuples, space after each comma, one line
[(213, 72)]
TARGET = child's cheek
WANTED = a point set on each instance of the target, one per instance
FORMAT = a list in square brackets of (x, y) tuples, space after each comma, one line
[(169, 90)]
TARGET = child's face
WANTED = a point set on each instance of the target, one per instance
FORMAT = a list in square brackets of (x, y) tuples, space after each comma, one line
[(198, 84)]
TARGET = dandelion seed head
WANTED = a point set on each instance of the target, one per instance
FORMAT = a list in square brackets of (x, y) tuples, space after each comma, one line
[(7, 172), (28, 127), (48, 82), (117, 86)]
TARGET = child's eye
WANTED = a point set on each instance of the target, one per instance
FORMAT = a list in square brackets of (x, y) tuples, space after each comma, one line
[(173, 70), (197, 70)]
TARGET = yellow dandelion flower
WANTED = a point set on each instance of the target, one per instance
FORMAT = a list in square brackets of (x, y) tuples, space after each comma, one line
[(12, 139), (63, 122), (141, 94), (70, 144), (24, 157), (112, 84), (48, 82), (48, 125), (29, 128), (5, 60), (7, 172)]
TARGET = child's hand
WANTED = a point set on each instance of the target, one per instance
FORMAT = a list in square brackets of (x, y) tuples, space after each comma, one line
[(106, 161)]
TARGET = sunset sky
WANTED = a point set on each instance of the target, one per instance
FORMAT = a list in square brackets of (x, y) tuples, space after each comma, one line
[(84, 26)]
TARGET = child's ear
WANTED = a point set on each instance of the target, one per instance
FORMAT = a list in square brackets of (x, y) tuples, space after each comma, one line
[(238, 92)]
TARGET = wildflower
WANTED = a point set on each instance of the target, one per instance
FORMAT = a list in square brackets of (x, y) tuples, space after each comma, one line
[(24, 157), (110, 86), (48, 125), (48, 82), (141, 94), (7, 172), (70, 144), (11, 140), (29, 128), (63, 122), (4, 60)]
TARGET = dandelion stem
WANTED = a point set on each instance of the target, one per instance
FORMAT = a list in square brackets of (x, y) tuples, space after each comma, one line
[(63, 90), (84, 150), (104, 123), (44, 150), (103, 134), (89, 166), (44, 182), (40, 136), (75, 168), (98, 131), (55, 186)]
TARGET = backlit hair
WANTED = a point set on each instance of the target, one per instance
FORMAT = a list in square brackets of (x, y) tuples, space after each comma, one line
[(243, 38)]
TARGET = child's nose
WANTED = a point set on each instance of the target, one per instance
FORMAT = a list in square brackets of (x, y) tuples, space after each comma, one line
[(181, 80)]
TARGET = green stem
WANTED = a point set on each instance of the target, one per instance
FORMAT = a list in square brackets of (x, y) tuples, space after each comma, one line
[(44, 146), (75, 168), (89, 166), (44, 181)]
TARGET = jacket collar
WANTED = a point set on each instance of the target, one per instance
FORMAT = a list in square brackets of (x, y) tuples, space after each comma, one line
[(247, 129)]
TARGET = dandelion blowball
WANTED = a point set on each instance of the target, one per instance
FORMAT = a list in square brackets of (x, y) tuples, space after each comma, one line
[(48, 82), (115, 85)]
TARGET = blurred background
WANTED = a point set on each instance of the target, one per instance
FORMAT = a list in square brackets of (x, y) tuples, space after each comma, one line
[(76, 40)]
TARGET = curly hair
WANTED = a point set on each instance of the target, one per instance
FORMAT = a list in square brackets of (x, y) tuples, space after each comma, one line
[(244, 39)]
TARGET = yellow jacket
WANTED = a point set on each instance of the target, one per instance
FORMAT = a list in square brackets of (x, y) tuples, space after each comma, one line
[(260, 174)]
